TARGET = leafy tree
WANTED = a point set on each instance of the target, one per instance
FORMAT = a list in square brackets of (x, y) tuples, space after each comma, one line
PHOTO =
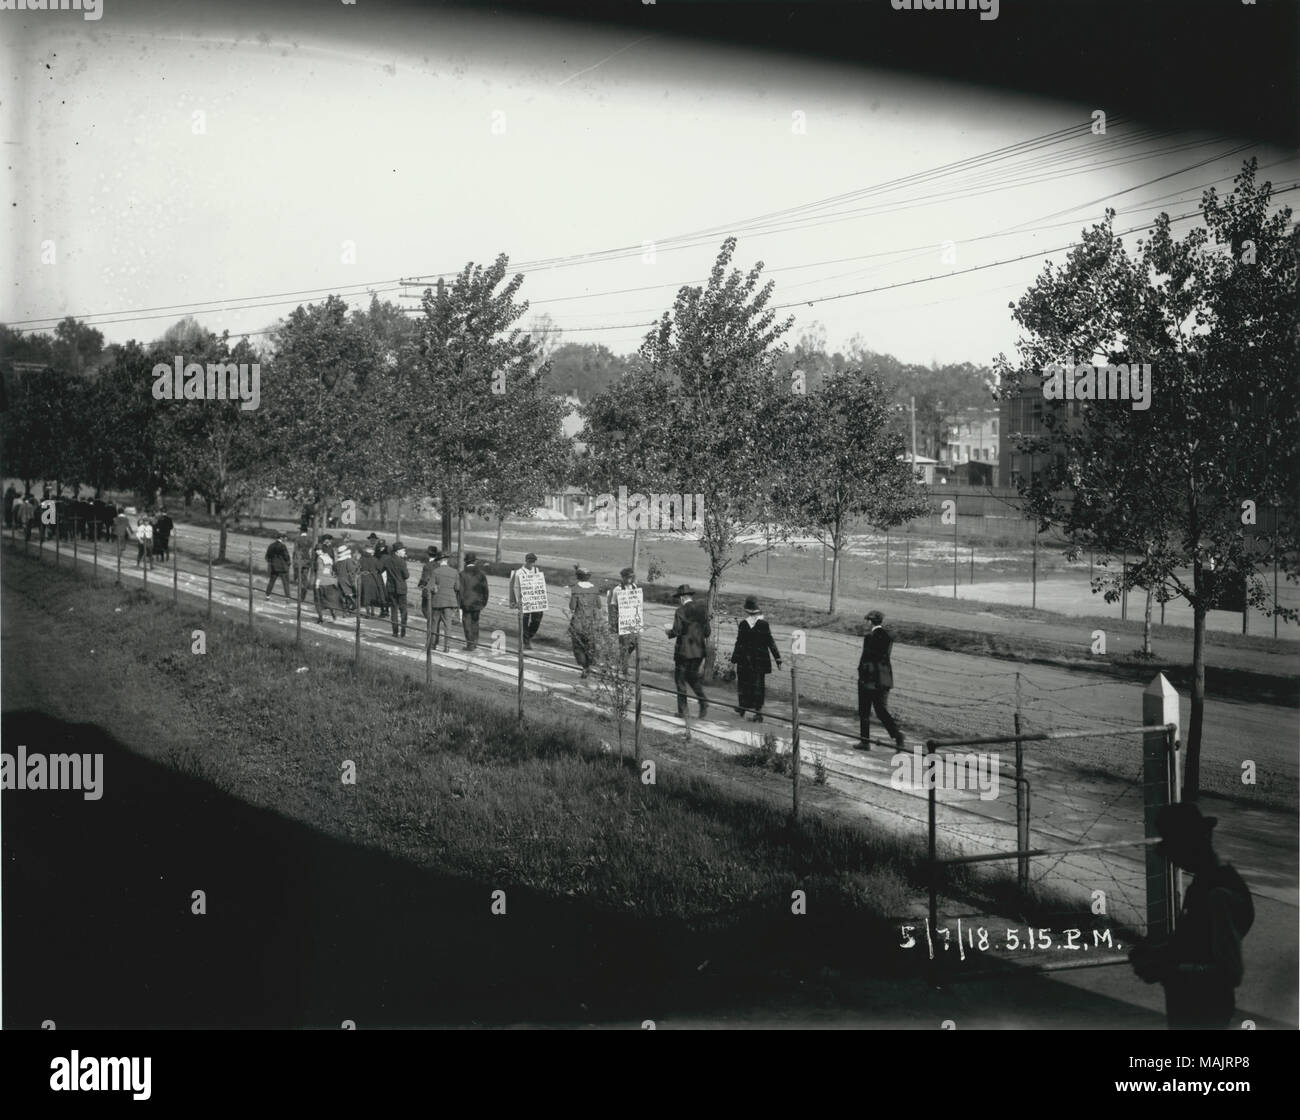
[(584, 369), (846, 463), (1215, 315), (698, 412)]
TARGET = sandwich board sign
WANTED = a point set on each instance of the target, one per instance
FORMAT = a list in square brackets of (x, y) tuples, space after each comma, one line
[(532, 591), (629, 602)]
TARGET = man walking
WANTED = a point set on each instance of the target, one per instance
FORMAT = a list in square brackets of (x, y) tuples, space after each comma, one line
[(302, 564), (277, 563), (627, 643), (444, 600), (691, 628), (163, 527), (875, 679), (1200, 965), (473, 598), (532, 620), (393, 567)]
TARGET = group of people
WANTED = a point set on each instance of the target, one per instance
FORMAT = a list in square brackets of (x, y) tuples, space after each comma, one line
[(373, 576)]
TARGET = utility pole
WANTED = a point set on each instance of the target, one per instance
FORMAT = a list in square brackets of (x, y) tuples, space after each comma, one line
[(913, 400)]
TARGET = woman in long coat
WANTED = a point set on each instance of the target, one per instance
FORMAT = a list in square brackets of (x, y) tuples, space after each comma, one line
[(753, 656), (371, 587), (327, 580)]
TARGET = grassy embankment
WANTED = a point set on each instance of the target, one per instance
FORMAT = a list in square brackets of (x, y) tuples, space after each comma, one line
[(450, 782)]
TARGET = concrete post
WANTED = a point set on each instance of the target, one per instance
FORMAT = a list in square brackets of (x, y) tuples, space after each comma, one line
[(1159, 709)]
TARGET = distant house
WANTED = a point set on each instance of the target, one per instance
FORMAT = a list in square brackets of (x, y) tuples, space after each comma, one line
[(924, 466), (970, 437)]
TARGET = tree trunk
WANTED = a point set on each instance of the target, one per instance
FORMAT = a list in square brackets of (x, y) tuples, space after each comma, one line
[(460, 537), (1146, 625), (500, 522), (1192, 767), (383, 514), (835, 577), (399, 517), (221, 539), (445, 521)]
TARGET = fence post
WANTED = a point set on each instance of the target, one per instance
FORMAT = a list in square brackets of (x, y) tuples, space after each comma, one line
[(907, 562), (521, 657), (972, 564), (428, 642), (297, 608), (250, 585), (94, 559), (356, 655), (76, 529), (794, 729), (1274, 572), (886, 559), (209, 579), (933, 858), (1175, 794), (636, 725), (58, 533), (1123, 595), (1022, 814), (954, 553), (146, 567), (120, 544), (1159, 710), (173, 542)]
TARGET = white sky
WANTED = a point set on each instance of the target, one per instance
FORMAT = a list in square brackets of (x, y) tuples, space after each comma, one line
[(378, 129)]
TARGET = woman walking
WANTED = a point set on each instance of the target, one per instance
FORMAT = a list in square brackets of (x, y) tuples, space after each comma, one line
[(753, 656)]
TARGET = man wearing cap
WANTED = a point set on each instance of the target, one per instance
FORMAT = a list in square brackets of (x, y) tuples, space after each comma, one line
[(426, 575), (1200, 966), (584, 617), (277, 563), (533, 620), (395, 573), (473, 598), (691, 628), (875, 679), (626, 642), (444, 600)]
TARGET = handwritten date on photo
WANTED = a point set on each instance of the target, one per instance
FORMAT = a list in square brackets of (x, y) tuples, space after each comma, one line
[(980, 940)]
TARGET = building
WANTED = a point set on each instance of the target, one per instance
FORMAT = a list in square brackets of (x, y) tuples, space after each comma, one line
[(924, 466), (969, 450), (1023, 413)]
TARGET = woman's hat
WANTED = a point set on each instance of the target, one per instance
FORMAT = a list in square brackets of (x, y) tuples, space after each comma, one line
[(751, 605), (581, 573)]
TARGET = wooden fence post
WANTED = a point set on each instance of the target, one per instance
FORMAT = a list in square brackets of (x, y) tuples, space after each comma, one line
[(521, 657), (209, 579), (251, 624), (172, 542), (1159, 709), (636, 725), (794, 731)]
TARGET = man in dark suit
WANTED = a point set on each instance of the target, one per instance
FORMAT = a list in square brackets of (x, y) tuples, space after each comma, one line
[(691, 628), (875, 679), (393, 566), (473, 598)]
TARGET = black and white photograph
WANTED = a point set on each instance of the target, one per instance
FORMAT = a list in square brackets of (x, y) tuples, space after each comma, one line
[(650, 515)]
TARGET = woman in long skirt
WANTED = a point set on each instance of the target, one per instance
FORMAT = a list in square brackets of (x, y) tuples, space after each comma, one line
[(370, 586), (753, 656)]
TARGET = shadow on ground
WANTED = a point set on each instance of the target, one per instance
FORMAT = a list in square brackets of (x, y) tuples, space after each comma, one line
[(305, 930)]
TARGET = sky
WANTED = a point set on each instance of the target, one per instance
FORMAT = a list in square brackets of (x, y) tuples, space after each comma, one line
[(232, 164)]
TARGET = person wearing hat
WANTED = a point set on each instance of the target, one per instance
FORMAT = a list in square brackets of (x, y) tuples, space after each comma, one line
[(381, 551), (370, 587), (532, 620), (346, 568), (691, 629), (395, 573), (426, 574), (326, 579), (627, 643), (753, 655), (444, 600), (302, 564), (1200, 966), (584, 618), (277, 563), (875, 679), (473, 598)]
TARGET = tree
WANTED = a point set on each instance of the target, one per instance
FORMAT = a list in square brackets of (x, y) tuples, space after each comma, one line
[(846, 463), (1215, 317), (479, 403), (698, 412), (584, 369), (326, 383)]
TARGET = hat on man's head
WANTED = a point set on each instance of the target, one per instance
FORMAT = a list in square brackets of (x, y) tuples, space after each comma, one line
[(684, 589), (279, 536), (875, 616), (373, 537), (326, 537), (530, 558), (432, 550), (471, 558), (627, 573), (580, 572), (1183, 821), (751, 605), (398, 546)]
